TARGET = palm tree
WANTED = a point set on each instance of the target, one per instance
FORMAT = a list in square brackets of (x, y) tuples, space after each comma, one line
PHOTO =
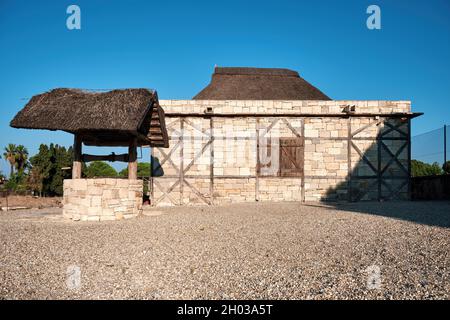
[(21, 157), (10, 155)]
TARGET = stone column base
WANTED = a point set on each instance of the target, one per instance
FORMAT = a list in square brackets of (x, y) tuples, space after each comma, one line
[(102, 199)]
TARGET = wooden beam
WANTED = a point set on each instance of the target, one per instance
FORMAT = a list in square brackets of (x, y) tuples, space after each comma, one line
[(77, 158), (409, 162), (303, 155), (257, 167), (182, 160), (166, 193), (349, 160), (132, 161), (294, 115), (110, 157), (363, 157), (196, 192), (211, 160), (379, 174)]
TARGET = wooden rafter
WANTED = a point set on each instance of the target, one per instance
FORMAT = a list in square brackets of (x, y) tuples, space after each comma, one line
[(371, 123)]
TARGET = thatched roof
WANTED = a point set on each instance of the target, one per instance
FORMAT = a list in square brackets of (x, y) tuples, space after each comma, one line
[(258, 84), (102, 118)]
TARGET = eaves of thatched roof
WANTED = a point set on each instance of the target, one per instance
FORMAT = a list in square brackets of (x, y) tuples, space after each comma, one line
[(102, 118), (258, 84)]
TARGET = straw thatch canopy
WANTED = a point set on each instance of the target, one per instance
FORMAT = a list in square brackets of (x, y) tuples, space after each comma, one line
[(258, 84), (101, 118)]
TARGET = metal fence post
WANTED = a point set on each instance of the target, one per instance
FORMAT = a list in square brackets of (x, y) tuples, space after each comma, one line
[(445, 143)]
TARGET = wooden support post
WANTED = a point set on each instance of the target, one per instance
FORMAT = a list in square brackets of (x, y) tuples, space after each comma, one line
[(349, 160), (77, 162), (151, 182), (303, 169), (257, 168), (211, 160), (132, 162), (379, 176), (409, 161), (182, 160), (445, 143)]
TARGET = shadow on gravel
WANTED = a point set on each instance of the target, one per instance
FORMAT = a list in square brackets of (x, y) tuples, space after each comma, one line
[(379, 181), (431, 213)]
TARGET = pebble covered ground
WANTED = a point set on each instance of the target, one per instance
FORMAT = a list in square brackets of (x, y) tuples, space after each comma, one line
[(241, 251)]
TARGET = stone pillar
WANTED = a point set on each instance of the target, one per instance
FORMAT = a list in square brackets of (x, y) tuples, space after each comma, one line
[(76, 167), (132, 162)]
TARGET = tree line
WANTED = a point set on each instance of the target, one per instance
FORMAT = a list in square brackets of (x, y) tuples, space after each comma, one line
[(44, 173), (420, 169)]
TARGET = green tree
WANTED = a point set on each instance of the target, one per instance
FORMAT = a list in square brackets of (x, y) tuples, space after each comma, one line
[(143, 170), (49, 161), (446, 167), (62, 158), (21, 155), (100, 169), (10, 155), (419, 169), (16, 182)]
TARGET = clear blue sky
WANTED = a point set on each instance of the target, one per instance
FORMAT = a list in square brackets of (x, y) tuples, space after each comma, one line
[(172, 47)]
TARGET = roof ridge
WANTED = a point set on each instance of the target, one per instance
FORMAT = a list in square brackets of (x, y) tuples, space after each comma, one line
[(255, 71)]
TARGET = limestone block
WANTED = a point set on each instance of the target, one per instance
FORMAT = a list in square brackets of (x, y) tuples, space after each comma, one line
[(120, 208), (111, 182), (96, 201), (123, 183), (97, 182), (79, 184), (94, 211), (125, 193)]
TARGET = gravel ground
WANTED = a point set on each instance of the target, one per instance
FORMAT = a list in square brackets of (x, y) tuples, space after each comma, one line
[(245, 251)]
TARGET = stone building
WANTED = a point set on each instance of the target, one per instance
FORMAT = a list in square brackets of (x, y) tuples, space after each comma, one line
[(268, 135), (250, 135)]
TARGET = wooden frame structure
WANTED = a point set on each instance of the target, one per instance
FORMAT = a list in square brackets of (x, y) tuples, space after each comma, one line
[(79, 157), (379, 179)]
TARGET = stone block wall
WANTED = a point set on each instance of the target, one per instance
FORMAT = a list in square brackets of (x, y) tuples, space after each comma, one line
[(288, 106), (231, 156), (102, 199)]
